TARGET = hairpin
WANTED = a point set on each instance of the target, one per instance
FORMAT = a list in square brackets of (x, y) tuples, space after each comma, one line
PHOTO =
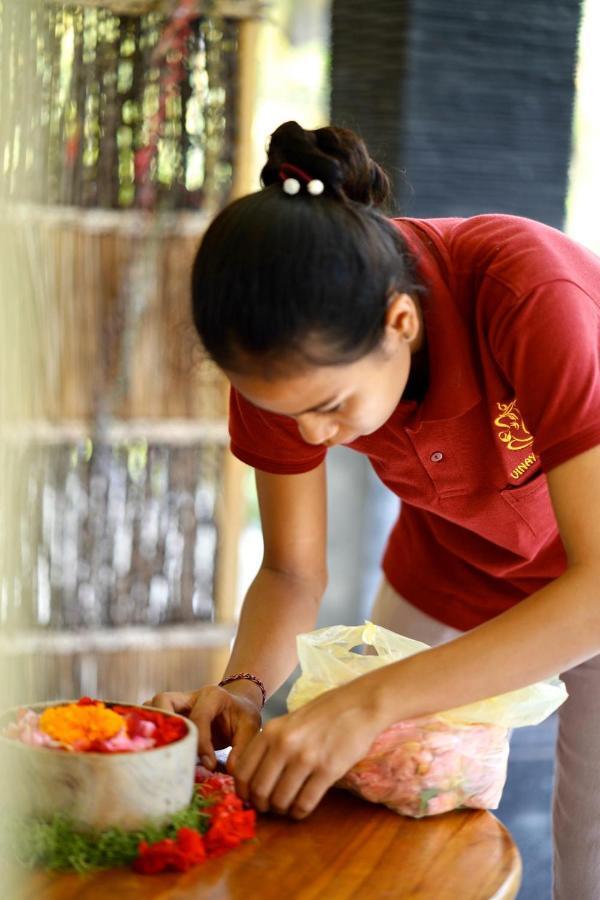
[(292, 184)]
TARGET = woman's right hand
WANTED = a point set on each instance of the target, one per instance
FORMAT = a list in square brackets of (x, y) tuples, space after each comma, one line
[(223, 718)]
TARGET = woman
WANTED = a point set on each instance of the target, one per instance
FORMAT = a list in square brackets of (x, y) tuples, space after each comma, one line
[(462, 357)]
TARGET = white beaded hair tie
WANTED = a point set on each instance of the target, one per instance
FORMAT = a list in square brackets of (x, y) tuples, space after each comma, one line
[(293, 177)]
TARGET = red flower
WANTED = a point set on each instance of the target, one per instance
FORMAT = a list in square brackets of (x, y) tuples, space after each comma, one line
[(230, 823), (191, 846), (230, 826), (227, 804), (185, 851), (154, 858), (168, 728), (216, 785)]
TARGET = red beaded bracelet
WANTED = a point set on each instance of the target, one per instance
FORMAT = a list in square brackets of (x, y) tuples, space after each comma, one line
[(248, 677)]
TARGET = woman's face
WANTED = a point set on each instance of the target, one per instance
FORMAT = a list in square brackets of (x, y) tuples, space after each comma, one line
[(336, 404)]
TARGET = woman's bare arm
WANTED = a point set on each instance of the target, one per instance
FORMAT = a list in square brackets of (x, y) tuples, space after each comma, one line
[(283, 600), (291, 763)]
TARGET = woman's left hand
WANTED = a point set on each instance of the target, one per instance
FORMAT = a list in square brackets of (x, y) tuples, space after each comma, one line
[(288, 766)]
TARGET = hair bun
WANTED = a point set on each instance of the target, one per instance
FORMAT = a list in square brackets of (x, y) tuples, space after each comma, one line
[(336, 156), (291, 144)]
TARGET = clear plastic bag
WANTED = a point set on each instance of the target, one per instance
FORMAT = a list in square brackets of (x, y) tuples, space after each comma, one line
[(429, 764)]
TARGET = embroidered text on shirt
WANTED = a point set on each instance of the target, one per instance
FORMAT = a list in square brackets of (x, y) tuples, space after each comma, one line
[(523, 466)]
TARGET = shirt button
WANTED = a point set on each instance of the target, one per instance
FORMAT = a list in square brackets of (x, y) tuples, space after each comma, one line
[(437, 456)]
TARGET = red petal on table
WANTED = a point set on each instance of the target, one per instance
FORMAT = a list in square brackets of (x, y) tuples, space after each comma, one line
[(229, 830), (188, 850)]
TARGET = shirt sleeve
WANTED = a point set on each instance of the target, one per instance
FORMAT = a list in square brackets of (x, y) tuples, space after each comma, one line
[(267, 441), (548, 345)]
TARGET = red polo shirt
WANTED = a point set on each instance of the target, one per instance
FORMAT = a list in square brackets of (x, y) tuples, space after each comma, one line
[(512, 320)]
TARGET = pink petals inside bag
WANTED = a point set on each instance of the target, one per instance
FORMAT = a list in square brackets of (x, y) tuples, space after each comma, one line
[(432, 764)]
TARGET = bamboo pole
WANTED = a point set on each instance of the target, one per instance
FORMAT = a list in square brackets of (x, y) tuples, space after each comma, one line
[(230, 510), (243, 176)]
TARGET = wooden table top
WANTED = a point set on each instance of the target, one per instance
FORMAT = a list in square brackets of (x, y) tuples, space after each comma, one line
[(346, 849)]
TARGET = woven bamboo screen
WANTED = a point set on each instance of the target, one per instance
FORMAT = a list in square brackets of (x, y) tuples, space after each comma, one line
[(124, 132), (134, 110)]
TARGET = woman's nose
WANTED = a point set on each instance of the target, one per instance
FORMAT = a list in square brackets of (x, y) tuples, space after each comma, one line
[(316, 430)]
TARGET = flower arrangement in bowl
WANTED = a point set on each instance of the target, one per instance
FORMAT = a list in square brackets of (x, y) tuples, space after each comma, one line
[(92, 726), (91, 785), (102, 763)]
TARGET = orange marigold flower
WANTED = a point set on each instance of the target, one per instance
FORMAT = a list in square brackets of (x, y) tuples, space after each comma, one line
[(80, 724)]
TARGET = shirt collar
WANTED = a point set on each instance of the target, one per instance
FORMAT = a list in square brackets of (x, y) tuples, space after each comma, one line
[(454, 387)]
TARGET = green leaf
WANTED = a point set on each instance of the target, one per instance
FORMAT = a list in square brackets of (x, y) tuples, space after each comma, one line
[(427, 795)]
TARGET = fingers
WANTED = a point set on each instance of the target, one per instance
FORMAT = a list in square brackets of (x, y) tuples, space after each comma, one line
[(243, 735), (203, 713), (287, 789), (185, 703), (271, 778), (295, 789), (309, 796), (218, 715), (173, 701), (299, 787), (265, 780), (248, 765)]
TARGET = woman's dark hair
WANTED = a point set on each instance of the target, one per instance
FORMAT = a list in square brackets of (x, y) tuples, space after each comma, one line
[(308, 276)]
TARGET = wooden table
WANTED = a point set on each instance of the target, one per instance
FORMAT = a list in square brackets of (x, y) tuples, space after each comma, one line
[(346, 849)]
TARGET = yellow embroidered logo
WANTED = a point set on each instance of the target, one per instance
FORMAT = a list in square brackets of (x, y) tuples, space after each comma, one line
[(513, 431)]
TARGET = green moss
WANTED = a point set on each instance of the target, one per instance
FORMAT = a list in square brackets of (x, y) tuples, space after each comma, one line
[(58, 844)]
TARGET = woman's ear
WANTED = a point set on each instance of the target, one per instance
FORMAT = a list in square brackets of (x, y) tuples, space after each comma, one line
[(402, 321)]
